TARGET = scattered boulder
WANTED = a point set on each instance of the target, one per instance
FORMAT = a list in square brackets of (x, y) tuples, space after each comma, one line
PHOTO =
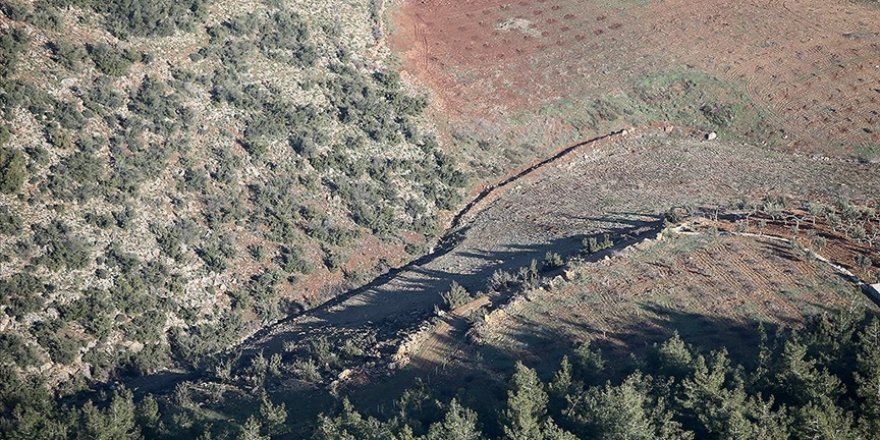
[(345, 374), (711, 136)]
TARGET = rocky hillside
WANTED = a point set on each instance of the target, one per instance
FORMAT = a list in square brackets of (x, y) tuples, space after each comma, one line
[(176, 174)]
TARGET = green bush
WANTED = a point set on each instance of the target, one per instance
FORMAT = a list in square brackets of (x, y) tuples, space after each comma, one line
[(79, 177), (111, 60), (455, 297), (155, 101), (63, 250), (92, 311), (13, 165), (63, 347), (285, 37), (58, 137), (216, 251), (598, 243), (103, 94), (45, 16), (10, 222), (15, 351), (150, 18), (12, 42), (69, 55), (21, 293), (68, 115), (291, 259)]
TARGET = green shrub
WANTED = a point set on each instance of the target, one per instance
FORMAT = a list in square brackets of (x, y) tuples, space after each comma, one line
[(291, 259), (103, 93), (63, 250), (21, 293), (13, 165), (78, 177), (285, 38), (58, 137), (69, 55), (595, 243), (14, 10), (333, 260), (456, 296), (149, 18), (10, 222), (111, 60), (62, 346), (45, 16), (172, 239), (12, 42), (152, 358), (15, 351), (91, 311), (68, 115), (215, 251), (552, 260), (156, 102)]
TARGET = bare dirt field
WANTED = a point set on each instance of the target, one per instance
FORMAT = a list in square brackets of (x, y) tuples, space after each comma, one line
[(687, 285), (803, 74)]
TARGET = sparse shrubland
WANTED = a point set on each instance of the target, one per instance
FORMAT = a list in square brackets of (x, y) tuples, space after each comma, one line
[(154, 215)]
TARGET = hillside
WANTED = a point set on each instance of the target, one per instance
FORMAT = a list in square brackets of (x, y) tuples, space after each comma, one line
[(434, 219), (177, 175)]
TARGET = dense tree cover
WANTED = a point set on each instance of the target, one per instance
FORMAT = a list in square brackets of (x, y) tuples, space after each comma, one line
[(816, 382)]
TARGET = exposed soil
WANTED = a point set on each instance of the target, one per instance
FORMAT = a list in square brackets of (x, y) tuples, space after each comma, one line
[(810, 66), (681, 284)]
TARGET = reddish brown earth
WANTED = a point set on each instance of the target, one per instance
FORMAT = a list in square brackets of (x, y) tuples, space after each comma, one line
[(812, 65)]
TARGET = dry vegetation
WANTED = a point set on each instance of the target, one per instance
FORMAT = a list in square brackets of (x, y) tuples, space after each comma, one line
[(176, 175), (239, 207)]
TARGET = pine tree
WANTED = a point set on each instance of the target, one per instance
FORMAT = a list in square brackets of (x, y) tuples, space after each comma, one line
[(867, 375), (823, 420), (627, 412), (252, 430), (549, 431), (272, 415), (526, 405), (588, 364), (674, 357), (799, 378), (115, 422), (562, 380), (459, 423), (760, 377), (148, 416)]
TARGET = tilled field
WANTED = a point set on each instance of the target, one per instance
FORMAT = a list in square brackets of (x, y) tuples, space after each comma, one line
[(808, 67)]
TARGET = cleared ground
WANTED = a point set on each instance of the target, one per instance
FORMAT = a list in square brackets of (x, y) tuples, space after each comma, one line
[(801, 74)]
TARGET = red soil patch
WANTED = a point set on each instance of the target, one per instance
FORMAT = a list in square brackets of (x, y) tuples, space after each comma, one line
[(813, 65)]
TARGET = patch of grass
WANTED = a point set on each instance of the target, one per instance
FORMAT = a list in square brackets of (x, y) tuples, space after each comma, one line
[(687, 97)]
